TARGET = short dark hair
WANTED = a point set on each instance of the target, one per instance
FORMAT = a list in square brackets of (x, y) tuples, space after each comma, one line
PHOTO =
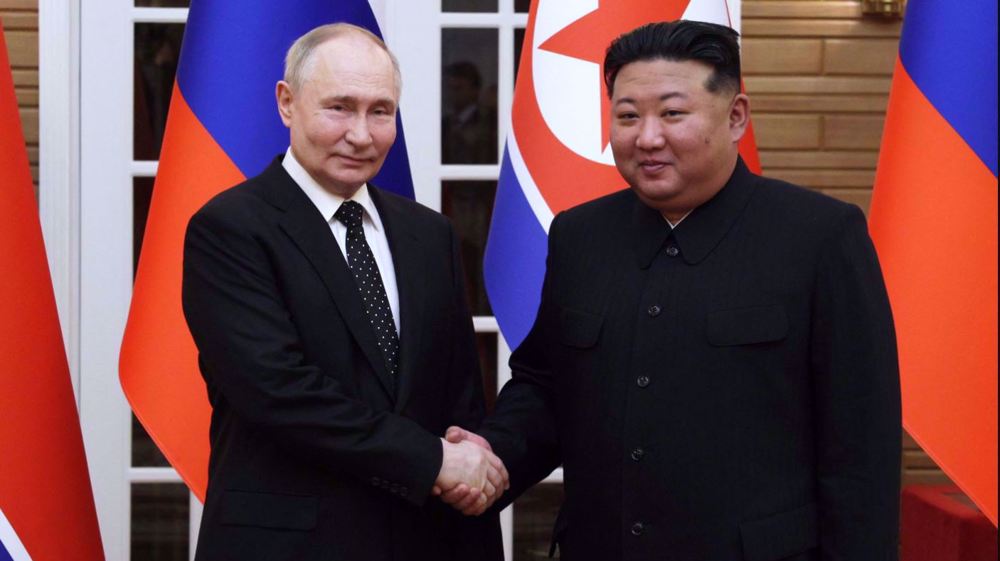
[(715, 45)]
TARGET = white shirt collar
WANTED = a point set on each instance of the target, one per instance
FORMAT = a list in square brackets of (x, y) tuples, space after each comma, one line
[(325, 201), (674, 225)]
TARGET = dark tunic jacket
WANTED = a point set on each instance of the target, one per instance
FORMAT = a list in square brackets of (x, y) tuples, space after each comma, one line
[(727, 390)]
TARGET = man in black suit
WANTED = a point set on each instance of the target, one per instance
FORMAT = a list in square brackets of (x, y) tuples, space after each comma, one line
[(335, 340), (713, 362)]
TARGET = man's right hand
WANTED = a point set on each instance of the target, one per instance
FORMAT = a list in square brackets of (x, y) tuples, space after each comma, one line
[(471, 476)]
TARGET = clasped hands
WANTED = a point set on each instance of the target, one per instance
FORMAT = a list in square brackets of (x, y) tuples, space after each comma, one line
[(472, 478)]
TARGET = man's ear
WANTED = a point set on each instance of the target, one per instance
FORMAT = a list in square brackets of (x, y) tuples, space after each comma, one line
[(739, 116), (284, 97)]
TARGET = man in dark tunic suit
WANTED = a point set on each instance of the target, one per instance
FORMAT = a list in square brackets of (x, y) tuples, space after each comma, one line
[(713, 361)]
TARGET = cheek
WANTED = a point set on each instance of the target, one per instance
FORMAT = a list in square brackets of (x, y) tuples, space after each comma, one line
[(384, 134), (622, 144), (324, 131)]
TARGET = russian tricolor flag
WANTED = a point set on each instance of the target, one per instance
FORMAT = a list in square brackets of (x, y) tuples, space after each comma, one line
[(934, 221), (223, 126), (557, 153)]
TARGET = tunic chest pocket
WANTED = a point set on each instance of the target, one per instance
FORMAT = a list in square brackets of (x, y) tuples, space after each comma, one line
[(578, 328), (746, 326)]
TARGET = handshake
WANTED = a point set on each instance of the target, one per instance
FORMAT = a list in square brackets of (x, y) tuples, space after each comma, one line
[(472, 478)]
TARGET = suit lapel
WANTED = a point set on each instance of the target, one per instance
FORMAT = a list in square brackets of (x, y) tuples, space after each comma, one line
[(407, 258), (306, 227)]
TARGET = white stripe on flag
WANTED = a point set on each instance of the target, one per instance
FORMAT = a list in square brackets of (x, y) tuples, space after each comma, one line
[(541, 208), (11, 542)]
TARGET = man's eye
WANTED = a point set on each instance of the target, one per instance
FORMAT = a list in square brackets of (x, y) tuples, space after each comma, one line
[(672, 113), (627, 116)]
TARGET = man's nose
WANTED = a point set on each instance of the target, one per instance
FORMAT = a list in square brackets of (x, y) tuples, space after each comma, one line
[(358, 133), (651, 134)]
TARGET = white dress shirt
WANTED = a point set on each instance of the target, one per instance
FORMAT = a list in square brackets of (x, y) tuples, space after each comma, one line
[(328, 203)]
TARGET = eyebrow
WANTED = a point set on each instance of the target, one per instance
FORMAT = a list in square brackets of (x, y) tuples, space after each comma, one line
[(351, 99), (663, 97)]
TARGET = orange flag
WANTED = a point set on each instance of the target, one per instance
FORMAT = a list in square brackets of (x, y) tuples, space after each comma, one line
[(934, 222), (46, 504)]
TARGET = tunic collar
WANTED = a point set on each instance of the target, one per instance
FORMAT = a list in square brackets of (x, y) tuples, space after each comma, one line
[(702, 229)]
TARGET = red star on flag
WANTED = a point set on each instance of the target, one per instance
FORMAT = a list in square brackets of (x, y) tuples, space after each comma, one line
[(588, 37)]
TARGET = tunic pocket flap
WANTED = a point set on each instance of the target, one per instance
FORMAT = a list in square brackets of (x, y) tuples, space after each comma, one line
[(780, 535), (269, 510), (579, 329), (747, 326)]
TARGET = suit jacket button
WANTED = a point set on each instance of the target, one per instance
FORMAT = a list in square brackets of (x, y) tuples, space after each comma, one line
[(638, 528), (638, 453), (673, 251), (642, 381), (654, 311)]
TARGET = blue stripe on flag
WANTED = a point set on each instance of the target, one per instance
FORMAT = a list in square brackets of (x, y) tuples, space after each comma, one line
[(950, 51), (4, 555), (233, 55), (514, 263)]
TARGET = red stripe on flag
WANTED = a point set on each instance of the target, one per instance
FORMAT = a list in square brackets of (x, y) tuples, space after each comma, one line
[(44, 485), (159, 362), (934, 222)]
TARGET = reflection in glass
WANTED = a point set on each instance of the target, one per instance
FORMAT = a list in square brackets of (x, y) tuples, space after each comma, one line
[(518, 44), (160, 513), (145, 453), (469, 5), (487, 345), (469, 204), (534, 516), (157, 48), (142, 194), (469, 96)]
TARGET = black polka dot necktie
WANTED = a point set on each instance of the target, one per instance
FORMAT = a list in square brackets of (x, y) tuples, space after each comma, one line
[(373, 296)]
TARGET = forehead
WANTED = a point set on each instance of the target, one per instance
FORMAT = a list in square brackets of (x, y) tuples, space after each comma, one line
[(349, 61), (658, 77)]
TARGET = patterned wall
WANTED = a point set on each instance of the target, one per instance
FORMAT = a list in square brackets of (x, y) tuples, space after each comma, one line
[(20, 26)]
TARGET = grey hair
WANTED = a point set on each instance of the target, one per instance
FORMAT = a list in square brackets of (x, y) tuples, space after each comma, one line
[(302, 49)]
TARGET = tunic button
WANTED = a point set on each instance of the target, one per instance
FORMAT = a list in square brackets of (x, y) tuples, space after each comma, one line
[(643, 381), (654, 311), (638, 453), (638, 529), (673, 251)]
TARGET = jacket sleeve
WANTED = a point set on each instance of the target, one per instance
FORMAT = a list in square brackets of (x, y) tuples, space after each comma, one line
[(251, 354), (857, 398), (522, 429)]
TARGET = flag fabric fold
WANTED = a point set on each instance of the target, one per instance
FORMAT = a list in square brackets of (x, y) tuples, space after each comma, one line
[(46, 503), (934, 222), (557, 153), (222, 127)]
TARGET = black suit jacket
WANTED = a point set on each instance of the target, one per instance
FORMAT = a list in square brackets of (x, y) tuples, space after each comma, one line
[(316, 451), (724, 391)]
